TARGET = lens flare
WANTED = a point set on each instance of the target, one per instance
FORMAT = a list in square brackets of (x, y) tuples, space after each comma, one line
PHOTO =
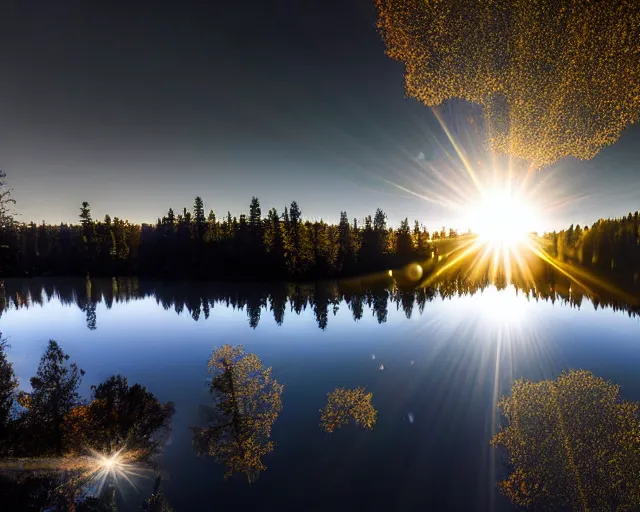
[(112, 469)]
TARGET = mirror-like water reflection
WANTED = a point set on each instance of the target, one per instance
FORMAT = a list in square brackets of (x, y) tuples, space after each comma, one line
[(395, 410), (376, 294)]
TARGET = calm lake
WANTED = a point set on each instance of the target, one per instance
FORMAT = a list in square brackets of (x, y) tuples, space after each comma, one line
[(437, 361)]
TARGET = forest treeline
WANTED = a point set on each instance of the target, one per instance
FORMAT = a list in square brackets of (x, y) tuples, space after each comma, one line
[(192, 244), (278, 246), (609, 245)]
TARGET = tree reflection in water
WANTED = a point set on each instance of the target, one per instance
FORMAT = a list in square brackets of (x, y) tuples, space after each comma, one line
[(377, 293), (59, 452), (247, 401), (572, 444), (345, 404)]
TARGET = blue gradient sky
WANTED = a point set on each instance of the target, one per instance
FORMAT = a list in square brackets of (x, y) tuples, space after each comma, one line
[(137, 108)]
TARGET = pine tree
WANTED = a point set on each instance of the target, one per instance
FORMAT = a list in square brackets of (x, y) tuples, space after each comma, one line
[(345, 253), (88, 236), (171, 219), (404, 244), (293, 245), (255, 226), (54, 393), (199, 220), (273, 238), (212, 228), (381, 232)]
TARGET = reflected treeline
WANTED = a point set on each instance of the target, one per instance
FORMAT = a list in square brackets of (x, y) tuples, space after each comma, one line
[(247, 402), (373, 295)]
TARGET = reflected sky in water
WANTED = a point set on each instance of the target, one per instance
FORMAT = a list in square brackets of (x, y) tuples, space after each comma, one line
[(443, 371)]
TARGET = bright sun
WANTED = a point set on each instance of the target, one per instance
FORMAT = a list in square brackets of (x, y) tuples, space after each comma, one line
[(502, 218)]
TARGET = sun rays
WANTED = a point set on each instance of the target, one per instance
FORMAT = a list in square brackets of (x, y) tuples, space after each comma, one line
[(117, 469), (89, 474), (502, 218)]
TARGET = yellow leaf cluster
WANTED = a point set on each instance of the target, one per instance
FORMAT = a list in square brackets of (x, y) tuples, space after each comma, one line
[(556, 78), (572, 444), (248, 402), (344, 404)]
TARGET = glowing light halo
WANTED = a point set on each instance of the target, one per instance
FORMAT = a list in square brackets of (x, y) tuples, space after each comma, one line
[(502, 218), (459, 179), (111, 468), (110, 463)]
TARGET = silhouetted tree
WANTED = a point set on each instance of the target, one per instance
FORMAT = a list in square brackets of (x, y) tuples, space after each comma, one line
[(274, 242), (199, 219), (88, 236), (211, 235), (54, 392), (346, 253), (380, 231), (404, 244), (255, 226), (293, 239), (119, 416)]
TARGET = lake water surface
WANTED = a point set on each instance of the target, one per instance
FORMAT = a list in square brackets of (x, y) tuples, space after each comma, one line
[(437, 361)]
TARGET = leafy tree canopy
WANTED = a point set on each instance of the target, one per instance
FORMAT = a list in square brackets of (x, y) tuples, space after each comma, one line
[(555, 77), (345, 404), (572, 444), (247, 403)]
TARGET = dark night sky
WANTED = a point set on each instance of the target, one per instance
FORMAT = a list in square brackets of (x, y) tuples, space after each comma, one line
[(136, 108)]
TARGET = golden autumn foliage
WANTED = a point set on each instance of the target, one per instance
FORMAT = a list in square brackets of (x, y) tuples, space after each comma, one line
[(556, 78), (247, 403), (344, 404), (76, 423), (572, 444)]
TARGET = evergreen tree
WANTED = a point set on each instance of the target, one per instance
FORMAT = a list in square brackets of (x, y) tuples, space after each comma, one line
[(85, 216), (345, 253), (199, 220), (323, 256), (404, 244), (256, 230), (88, 235), (212, 227), (381, 232), (273, 239), (255, 215), (418, 240), (171, 219), (293, 246), (54, 393)]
